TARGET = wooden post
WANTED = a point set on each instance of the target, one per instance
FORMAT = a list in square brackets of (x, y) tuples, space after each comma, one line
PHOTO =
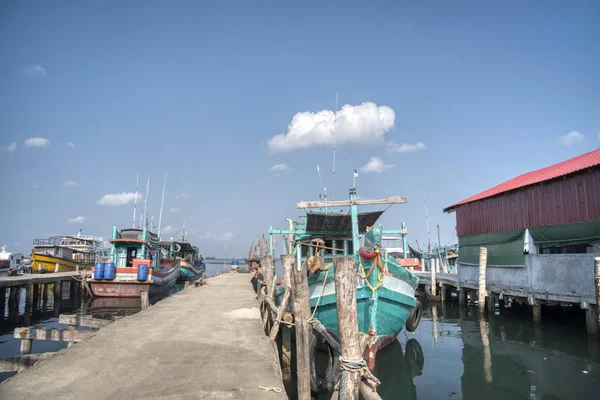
[(186, 284), (266, 263), (72, 289), (288, 263), (57, 292), (345, 289), (501, 302), (433, 273), (301, 304), (491, 303), (591, 320), (2, 302), (482, 266), (145, 300), (537, 312), (36, 297), (462, 297), (45, 294), (597, 281), (26, 346), (28, 290)]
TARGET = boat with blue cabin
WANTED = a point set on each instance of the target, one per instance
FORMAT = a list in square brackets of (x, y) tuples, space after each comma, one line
[(385, 289), (135, 266)]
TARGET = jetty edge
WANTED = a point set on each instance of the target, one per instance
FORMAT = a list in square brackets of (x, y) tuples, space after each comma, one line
[(204, 342)]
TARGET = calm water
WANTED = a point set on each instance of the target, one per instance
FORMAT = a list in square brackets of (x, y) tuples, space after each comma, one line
[(454, 354)]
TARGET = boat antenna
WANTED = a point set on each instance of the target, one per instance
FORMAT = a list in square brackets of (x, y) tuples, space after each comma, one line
[(145, 205), (354, 179), (320, 181), (183, 232), (162, 202), (427, 221), (137, 183), (334, 143), (152, 222)]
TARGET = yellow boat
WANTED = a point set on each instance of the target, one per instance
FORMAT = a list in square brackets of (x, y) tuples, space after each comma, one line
[(52, 255)]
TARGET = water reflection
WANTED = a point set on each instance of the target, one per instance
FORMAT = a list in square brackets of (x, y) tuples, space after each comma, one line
[(459, 354)]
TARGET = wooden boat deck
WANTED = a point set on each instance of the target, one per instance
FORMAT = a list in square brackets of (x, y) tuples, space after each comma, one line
[(205, 342)]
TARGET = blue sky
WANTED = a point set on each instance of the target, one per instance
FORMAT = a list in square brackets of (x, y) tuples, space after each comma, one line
[(476, 93)]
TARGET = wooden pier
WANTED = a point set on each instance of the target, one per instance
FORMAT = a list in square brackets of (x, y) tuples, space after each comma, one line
[(37, 288), (204, 342)]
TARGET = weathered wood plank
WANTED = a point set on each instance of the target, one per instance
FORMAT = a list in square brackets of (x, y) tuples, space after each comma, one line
[(22, 280), (82, 320), (52, 334), (21, 363), (301, 304)]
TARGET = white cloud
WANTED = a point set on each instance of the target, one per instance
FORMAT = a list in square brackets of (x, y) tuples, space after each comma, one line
[(571, 138), (37, 142), (174, 209), (168, 230), (279, 169), (218, 237), (70, 184), (71, 145), (9, 149), (118, 199), (375, 165), (77, 220), (36, 70), (183, 196), (405, 147), (363, 124)]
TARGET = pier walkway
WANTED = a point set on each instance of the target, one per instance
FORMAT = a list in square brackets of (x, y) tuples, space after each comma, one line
[(22, 280), (205, 342)]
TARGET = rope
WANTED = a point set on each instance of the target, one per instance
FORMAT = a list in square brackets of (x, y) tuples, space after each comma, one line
[(381, 271), (320, 295), (270, 389), (359, 366)]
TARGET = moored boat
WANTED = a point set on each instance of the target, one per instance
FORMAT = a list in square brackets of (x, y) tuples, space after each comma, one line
[(135, 266), (191, 263), (10, 260), (385, 289), (67, 253)]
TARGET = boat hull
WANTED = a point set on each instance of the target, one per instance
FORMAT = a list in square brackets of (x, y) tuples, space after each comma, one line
[(189, 272), (43, 262), (126, 284)]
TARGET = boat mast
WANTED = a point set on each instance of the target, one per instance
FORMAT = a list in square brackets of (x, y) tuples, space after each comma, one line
[(162, 202), (334, 143), (183, 232), (427, 221), (137, 183), (145, 204)]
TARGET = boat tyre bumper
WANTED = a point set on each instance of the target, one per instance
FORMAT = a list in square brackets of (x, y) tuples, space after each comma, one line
[(414, 317), (324, 384)]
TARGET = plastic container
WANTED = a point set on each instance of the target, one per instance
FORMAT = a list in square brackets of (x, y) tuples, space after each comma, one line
[(142, 274), (110, 271), (99, 271), (235, 263)]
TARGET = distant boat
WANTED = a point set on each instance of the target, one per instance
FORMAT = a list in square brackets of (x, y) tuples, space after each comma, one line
[(10, 260), (136, 266), (67, 253), (190, 262)]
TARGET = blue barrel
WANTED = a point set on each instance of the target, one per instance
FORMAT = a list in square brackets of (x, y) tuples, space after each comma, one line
[(110, 271), (142, 272), (99, 271), (235, 263)]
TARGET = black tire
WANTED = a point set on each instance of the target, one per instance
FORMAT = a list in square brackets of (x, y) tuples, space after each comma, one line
[(414, 317), (414, 358), (324, 384)]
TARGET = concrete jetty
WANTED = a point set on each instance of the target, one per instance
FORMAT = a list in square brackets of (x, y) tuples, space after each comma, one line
[(205, 342)]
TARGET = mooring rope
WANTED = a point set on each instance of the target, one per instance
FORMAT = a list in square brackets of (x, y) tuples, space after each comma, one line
[(270, 389), (349, 366)]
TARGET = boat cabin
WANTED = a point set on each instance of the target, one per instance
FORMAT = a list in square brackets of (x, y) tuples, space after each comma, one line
[(132, 247), (10, 260)]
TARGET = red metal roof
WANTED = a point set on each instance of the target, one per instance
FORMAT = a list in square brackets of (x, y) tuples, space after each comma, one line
[(570, 166)]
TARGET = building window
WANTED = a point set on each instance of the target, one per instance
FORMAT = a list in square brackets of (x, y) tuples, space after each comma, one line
[(578, 249)]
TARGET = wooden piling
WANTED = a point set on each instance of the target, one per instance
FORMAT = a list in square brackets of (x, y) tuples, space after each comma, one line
[(591, 320), (482, 267), (433, 273), (597, 281), (28, 290), (462, 297), (57, 292), (301, 304), (288, 262), (491, 303), (36, 297), (45, 294), (145, 300), (345, 289), (537, 312), (2, 302), (26, 346), (266, 264)]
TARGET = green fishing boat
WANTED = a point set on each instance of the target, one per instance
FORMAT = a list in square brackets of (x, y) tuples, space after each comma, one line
[(385, 290)]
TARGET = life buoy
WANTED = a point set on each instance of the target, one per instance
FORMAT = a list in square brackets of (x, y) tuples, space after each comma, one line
[(324, 384), (176, 247), (414, 317)]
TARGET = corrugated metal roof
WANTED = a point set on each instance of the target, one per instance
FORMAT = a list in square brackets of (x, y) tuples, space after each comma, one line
[(570, 166)]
